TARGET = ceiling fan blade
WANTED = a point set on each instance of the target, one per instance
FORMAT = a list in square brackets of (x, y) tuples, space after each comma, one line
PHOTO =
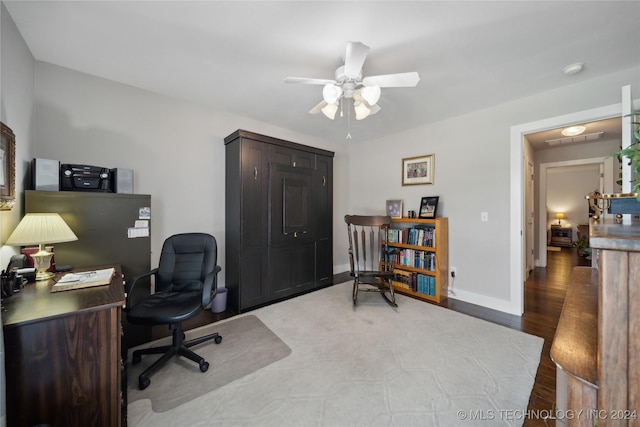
[(318, 108), (308, 81), (393, 80), (354, 59)]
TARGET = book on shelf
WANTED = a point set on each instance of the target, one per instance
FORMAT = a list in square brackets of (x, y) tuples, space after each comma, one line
[(424, 260), (416, 236), (416, 282)]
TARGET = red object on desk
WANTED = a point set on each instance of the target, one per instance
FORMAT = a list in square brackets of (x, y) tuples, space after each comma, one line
[(32, 250)]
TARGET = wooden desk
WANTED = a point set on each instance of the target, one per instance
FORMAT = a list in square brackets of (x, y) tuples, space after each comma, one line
[(63, 355)]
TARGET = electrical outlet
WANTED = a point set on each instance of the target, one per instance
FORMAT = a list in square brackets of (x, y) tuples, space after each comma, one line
[(453, 272)]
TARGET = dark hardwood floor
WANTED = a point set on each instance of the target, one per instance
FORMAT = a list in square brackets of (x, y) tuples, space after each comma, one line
[(544, 295)]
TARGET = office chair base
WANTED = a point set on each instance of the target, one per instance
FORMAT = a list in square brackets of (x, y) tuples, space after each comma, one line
[(178, 348)]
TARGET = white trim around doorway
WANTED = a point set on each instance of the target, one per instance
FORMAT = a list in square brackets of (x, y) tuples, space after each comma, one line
[(516, 175)]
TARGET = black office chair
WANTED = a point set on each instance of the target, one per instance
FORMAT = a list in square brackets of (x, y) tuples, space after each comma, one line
[(185, 283)]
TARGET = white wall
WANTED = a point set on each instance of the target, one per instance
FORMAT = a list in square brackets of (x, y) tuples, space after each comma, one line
[(472, 175), (566, 190), (17, 112), (176, 149)]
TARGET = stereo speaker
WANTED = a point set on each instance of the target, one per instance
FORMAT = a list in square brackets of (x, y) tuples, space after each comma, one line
[(45, 174), (122, 180)]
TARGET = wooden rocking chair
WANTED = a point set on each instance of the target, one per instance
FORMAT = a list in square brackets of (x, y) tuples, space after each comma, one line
[(370, 259)]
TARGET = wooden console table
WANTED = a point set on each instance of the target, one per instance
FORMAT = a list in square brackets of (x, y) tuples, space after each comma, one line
[(63, 355), (597, 342), (561, 236)]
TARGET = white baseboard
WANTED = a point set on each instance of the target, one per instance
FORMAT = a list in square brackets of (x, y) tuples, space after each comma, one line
[(485, 301)]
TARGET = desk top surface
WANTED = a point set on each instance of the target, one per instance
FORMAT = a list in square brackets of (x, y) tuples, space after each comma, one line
[(35, 302), (608, 234)]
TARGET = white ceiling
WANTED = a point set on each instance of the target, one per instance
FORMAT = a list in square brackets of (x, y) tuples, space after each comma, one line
[(233, 55)]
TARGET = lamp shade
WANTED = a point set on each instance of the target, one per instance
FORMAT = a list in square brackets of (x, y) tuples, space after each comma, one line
[(362, 111), (560, 215), (371, 94), (331, 93), (41, 228), (330, 110)]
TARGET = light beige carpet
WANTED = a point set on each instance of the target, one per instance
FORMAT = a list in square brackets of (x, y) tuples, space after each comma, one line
[(370, 365), (247, 346)]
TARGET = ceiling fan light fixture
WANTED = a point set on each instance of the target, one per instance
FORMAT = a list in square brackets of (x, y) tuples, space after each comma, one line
[(371, 94), (362, 112), (330, 110), (331, 93), (573, 130)]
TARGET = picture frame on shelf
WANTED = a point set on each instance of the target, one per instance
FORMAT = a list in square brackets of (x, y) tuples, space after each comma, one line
[(428, 207), (418, 170), (394, 208), (7, 168)]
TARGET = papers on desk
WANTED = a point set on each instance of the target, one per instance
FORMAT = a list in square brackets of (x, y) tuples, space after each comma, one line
[(84, 279)]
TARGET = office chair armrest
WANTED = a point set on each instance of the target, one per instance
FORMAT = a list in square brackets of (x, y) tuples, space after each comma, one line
[(130, 284), (210, 288)]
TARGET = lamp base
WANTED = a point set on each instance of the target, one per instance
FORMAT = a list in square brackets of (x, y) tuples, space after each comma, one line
[(42, 262)]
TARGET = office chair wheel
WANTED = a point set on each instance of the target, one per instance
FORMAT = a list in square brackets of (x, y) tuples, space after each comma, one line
[(143, 382), (217, 339), (136, 358), (204, 366)]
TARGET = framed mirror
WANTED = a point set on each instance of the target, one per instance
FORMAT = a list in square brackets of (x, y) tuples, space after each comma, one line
[(7, 169)]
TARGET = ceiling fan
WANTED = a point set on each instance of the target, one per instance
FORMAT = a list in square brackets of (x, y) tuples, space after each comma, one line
[(349, 84)]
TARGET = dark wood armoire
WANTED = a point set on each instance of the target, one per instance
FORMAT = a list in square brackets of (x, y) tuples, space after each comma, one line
[(278, 207)]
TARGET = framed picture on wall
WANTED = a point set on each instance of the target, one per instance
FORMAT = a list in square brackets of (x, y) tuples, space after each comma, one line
[(394, 208), (428, 207), (7, 168), (418, 170)]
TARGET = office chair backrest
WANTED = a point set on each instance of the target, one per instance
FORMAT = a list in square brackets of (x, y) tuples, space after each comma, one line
[(185, 261), (367, 241)]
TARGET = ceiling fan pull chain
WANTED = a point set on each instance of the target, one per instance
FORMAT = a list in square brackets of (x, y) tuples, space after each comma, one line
[(348, 122)]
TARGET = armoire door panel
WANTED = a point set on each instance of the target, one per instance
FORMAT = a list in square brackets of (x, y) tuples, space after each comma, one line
[(324, 261), (291, 157), (254, 292), (290, 204), (280, 271), (303, 266)]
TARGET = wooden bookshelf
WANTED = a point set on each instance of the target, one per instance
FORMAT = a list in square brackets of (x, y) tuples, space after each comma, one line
[(436, 287)]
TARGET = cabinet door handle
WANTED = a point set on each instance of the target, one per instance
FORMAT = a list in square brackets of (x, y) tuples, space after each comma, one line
[(255, 172), (294, 164), (324, 181)]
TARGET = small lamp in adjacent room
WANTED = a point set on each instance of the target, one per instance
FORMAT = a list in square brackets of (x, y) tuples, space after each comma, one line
[(41, 229), (560, 216)]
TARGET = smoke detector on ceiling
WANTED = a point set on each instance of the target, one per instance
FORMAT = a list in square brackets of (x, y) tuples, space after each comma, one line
[(572, 69)]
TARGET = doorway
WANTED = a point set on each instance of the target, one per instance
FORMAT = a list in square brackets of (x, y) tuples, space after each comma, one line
[(517, 240)]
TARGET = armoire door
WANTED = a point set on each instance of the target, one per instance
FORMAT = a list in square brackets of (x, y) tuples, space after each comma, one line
[(252, 265), (323, 207), (291, 230)]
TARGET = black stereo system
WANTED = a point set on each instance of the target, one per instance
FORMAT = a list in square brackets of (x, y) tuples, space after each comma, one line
[(50, 175), (84, 178)]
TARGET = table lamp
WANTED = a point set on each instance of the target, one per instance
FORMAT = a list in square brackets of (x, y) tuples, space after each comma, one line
[(559, 216), (41, 229)]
